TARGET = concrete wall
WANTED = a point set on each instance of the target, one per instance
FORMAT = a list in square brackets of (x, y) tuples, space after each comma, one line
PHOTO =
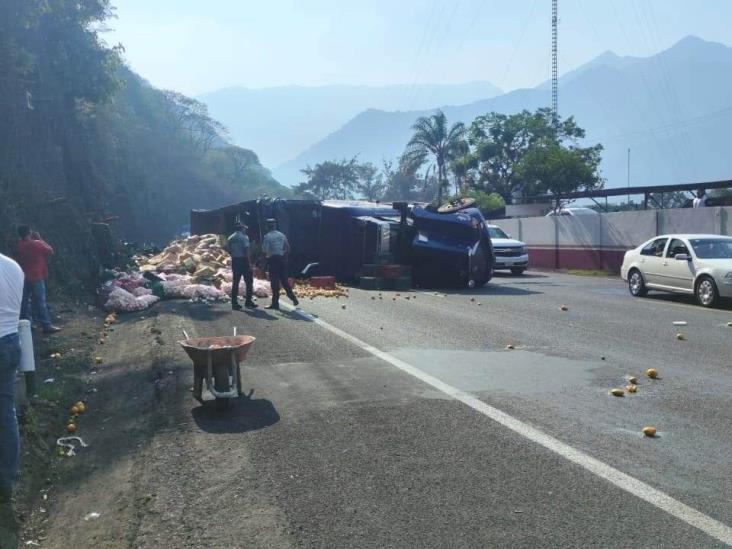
[(600, 241)]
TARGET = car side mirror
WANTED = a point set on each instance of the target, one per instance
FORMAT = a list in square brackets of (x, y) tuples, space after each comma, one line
[(682, 257)]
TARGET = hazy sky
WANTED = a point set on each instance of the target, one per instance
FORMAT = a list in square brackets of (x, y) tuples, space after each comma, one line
[(194, 46)]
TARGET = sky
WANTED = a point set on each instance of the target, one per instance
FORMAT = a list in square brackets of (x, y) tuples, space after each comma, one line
[(194, 46)]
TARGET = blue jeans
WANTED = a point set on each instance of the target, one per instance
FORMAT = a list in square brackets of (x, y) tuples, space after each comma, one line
[(9, 437), (34, 298)]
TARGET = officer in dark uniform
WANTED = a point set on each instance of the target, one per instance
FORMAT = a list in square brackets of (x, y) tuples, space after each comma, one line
[(275, 248), (241, 267)]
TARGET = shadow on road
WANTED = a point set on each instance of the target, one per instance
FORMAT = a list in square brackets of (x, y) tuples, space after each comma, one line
[(507, 274), (723, 305), (243, 415)]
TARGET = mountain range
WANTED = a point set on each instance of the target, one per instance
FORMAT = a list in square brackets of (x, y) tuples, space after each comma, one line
[(280, 123), (672, 110)]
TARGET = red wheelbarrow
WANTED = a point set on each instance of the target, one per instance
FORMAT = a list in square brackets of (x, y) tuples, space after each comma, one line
[(216, 361)]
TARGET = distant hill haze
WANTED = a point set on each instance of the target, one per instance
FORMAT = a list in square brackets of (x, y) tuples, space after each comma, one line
[(673, 110), (280, 123)]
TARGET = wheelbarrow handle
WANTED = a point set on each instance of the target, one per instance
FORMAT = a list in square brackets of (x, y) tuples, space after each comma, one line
[(185, 334)]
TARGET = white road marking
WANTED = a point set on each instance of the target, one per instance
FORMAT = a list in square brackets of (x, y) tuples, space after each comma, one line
[(625, 482)]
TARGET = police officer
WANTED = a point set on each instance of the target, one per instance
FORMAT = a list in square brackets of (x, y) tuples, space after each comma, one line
[(241, 266), (275, 248)]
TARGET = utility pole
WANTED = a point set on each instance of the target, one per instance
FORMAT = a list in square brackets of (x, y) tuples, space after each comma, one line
[(555, 79), (628, 176)]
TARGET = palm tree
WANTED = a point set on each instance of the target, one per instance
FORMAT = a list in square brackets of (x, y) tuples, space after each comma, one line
[(433, 138)]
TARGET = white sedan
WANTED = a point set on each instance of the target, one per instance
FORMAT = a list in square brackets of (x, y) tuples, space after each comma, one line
[(696, 264)]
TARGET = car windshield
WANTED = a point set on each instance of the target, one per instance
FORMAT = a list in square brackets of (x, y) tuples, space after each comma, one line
[(712, 248), (497, 232)]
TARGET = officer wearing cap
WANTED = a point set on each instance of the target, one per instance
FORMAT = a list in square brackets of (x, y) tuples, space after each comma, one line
[(241, 266), (275, 248)]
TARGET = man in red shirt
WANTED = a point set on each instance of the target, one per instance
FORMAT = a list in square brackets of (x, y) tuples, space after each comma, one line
[(31, 254)]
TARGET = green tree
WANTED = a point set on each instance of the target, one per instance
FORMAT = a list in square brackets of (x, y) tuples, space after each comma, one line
[(434, 140), (332, 179), (370, 184), (551, 168), (499, 143), (486, 202)]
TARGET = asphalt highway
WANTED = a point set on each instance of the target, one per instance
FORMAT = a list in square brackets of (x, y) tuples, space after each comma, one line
[(381, 421)]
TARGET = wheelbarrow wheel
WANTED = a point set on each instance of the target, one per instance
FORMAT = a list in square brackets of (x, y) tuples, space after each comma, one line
[(222, 403), (221, 378)]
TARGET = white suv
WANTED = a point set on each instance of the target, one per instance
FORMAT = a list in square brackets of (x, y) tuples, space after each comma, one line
[(509, 253)]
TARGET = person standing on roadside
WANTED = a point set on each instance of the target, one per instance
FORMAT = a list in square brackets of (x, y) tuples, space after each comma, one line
[(11, 295), (32, 253), (241, 267), (701, 199), (276, 248)]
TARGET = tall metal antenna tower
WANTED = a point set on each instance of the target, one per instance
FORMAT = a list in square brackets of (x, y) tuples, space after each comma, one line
[(555, 80)]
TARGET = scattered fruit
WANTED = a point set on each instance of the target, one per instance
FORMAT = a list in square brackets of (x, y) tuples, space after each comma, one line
[(631, 388), (472, 299), (343, 306), (680, 336), (602, 358), (71, 428), (633, 380), (98, 360), (81, 406), (55, 355), (649, 431), (510, 346), (75, 410), (729, 324), (652, 373), (617, 392), (563, 308)]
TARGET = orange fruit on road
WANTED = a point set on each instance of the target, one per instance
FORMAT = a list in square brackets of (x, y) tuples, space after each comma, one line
[(649, 431), (71, 428), (652, 373), (617, 392)]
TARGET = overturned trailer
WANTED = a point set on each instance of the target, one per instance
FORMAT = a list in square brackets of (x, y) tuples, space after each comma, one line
[(399, 242)]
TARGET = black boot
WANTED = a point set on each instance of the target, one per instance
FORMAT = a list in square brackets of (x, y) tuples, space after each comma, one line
[(251, 305)]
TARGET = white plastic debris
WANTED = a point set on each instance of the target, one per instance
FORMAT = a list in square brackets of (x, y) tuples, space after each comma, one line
[(67, 443), (680, 323), (91, 516), (49, 380)]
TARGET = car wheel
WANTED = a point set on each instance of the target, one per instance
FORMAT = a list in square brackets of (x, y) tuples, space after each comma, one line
[(636, 284), (706, 291), (517, 271)]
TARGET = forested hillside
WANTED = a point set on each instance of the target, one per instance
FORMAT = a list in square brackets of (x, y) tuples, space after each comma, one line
[(83, 140)]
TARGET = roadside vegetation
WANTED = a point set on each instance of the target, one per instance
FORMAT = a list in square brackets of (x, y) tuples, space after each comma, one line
[(87, 147)]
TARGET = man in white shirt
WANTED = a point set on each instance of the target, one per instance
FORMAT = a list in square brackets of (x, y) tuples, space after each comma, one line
[(701, 199), (275, 248), (11, 296)]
